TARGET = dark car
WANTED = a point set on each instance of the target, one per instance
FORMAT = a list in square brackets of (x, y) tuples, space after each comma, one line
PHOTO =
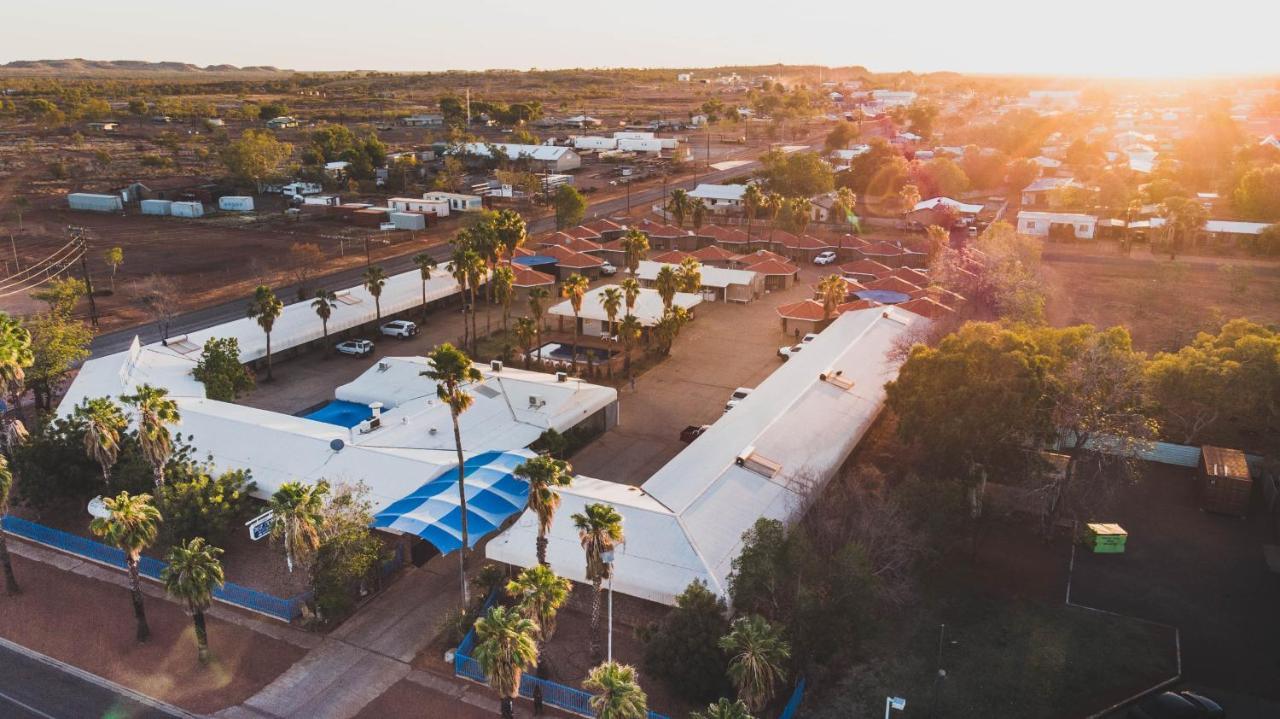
[(1177, 705), (692, 432)]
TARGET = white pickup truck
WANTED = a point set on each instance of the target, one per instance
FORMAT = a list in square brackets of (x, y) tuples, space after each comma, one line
[(404, 329)]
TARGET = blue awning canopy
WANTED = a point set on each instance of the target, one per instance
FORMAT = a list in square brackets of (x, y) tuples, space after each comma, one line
[(433, 511)]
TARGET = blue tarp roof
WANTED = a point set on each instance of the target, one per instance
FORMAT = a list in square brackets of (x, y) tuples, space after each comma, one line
[(434, 513), (535, 260), (884, 297)]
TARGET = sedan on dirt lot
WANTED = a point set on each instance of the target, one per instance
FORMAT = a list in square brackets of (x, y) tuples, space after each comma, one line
[(355, 348), (1177, 705), (824, 258), (608, 270)]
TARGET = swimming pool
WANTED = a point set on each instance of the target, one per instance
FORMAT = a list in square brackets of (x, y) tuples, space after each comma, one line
[(564, 353), (340, 412)]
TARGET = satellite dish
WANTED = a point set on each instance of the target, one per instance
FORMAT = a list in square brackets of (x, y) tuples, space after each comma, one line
[(336, 444)]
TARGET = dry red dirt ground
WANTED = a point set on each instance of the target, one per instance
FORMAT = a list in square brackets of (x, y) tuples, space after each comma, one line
[(90, 624)]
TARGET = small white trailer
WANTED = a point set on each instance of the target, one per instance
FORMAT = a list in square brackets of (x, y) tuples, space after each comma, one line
[(161, 208), (235, 203), (187, 209), (90, 202)]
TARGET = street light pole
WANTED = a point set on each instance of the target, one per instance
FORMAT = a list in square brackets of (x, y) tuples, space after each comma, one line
[(892, 703), (607, 558)]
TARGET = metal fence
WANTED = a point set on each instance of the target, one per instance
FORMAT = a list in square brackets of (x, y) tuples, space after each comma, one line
[(557, 695), (793, 704), (230, 593)]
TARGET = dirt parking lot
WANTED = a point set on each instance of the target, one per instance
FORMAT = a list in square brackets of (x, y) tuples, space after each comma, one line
[(1203, 573)]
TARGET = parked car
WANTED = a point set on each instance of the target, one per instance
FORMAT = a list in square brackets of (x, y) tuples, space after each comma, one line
[(1177, 705), (824, 258), (786, 352), (404, 329), (738, 395), (608, 270), (692, 432), (355, 348)]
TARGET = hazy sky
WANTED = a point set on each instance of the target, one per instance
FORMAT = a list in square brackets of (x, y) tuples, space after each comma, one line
[(1082, 37)]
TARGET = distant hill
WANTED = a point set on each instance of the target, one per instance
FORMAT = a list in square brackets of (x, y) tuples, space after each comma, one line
[(80, 66)]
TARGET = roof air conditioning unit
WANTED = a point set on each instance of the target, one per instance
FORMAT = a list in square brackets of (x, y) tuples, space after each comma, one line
[(383, 365), (496, 365), (562, 376), (744, 456), (537, 402)]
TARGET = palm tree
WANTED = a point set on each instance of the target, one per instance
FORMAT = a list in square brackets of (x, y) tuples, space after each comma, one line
[(15, 357), (668, 328), (426, 264), (505, 648), (832, 290), (296, 512), (574, 288), (511, 232), (538, 297), (757, 653), (540, 594), (723, 709), (667, 283), (636, 244), (679, 206), (908, 198), (544, 473), (616, 692), (323, 304), (374, 279), (130, 526), (525, 330), (155, 413), (599, 531), (752, 201), (699, 215), (773, 204), (476, 271), (629, 330), (103, 425), (452, 371), (504, 280), (458, 269), (689, 275), (11, 587), (798, 208), (611, 301), (631, 290), (193, 573), (266, 309)]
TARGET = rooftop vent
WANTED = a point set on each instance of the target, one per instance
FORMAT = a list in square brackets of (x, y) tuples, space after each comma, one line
[(496, 365), (562, 376), (383, 365)]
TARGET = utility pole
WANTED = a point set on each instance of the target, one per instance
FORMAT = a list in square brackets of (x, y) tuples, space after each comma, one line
[(78, 236), (14, 246), (468, 109)]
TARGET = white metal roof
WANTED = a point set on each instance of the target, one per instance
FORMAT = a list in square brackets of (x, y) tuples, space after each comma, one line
[(1073, 217), (542, 153), (1234, 227), (648, 309), (720, 277), (706, 191), (958, 206)]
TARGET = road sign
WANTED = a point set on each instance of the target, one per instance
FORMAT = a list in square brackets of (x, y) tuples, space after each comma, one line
[(260, 526)]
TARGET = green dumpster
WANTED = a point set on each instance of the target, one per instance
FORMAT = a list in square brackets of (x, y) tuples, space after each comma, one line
[(1106, 538)]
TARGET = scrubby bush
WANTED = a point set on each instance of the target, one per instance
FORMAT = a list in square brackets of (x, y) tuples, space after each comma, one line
[(195, 503), (683, 651)]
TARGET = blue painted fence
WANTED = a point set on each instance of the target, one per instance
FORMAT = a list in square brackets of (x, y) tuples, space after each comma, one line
[(793, 704), (283, 609), (557, 695)]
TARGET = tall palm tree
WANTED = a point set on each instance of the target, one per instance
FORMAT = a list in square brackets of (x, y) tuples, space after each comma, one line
[(6, 489), (831, 290), (752, 201), (544, 473), (511, 232), (131, 526), (526, 330), (452, 371), (757, 654), (15, 357), (374, 279), (629, 330), (574, 288), (616, 692), (540, 594), (773, 204), (679, 206), (266, 309), (689, 275), (698, 214), (458, 268), (193, 573), (667, 283), (538, 297), (296, 509), (724, 709), (599, 531), (611, 301), (631, 291), (155, 413), (504, 288), (636, 244), (476, 272), (103, 425), (324, 304), (426, 264), (505, 648)]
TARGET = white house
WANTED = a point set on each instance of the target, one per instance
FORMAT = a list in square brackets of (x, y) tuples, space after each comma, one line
[(559, 159), (719, 197), (1040, 224), (439, 208), (457, 202), (595, 321)]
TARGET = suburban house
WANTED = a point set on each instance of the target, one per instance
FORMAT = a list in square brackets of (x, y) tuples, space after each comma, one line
[(723, 235), (864, 269), (570, 261), (439, 208), (934, 210), (1040, 191), (778, 274), (893, 255), (719, 198), (1231, 230), (593, 321), (665, 237), (718, 283), (1048, 224), (457, 202)]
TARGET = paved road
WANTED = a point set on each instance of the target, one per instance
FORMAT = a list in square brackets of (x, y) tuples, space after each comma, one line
[(32, 689), (206, 317)]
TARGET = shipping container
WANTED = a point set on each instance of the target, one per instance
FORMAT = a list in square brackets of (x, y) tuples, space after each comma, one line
[(157, 207), (235, 203), (329, 200), (371, 217), (589, 142), (1225, 482), (187, 209), (409, 220), (90, 202), (630, 145)]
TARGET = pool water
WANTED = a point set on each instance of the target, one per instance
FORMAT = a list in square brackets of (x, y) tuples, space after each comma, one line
[(341, 413), (564, 353)]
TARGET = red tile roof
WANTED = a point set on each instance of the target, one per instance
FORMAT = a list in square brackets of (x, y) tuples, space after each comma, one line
[(528, 277), (945, 296), (523, 252), (583, 232), (603, 225), (762, 255), (810, 310), (727, 235), (927, 307), (566, 257), (892, 284), (773, 267), (659, 229), (806, 242), (713, 253), (781, 237), (564, 239), (915, 277), (865, 267), (673, 257), (856, 305), (883, 249)]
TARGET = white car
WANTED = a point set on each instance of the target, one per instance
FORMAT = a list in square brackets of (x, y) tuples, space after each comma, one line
[(404, 329), (608, 270), (355, 348), (824, 258), (738, 395), (786, 352)]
